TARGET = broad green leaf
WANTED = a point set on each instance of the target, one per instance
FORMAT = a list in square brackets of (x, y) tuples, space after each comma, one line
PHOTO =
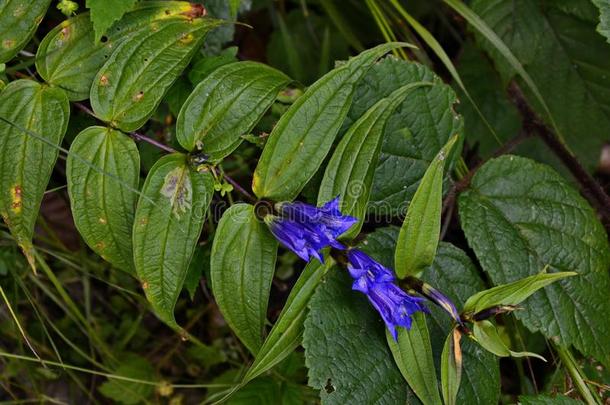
[(285, 336), (242, 267), (547, 400), (513, 293), (575, 88), (454, 274), (520, 216), (346, 350), (305, 133), (486, 334), (349, 174), (169, 218), (127, 392), (414, 134), (451, 367), (420, 231), (105, 12), (226, 105), (413, 356), (33, 121), (604, 18), (18, 22), (68, 56), (204, 66), (133, 81), (103, 174)]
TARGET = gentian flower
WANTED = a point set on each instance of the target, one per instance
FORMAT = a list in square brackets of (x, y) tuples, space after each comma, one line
[(306, 229), (379, 284), (435, 296)]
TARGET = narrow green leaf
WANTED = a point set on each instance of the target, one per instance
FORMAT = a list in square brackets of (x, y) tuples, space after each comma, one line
[(486, 334), (105, 12), (242, 267), (420, 231), (305, 133), (169, 218), (26, 162), (68, 56), (349, 173), (451, 367), (413, 356), (512, 293), (226, 105), (285, 336), (103, 201), (131, 84), (18, 22)]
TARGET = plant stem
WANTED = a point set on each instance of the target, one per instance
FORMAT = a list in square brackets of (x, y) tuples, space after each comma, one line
[(591, 398)]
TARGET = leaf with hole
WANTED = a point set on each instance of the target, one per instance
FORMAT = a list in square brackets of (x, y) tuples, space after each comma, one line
[(226, 105), (131, 84), (68, 56), (103, 174), (169, 218), (242, 268), (33, 121), (18, 22), (304, 135)]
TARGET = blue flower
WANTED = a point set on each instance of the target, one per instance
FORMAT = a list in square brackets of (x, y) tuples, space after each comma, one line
[(379, 284), (306, 229)]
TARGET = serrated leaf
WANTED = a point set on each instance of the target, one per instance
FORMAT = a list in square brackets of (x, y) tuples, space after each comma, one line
[(451, 367), (68, 56), (33, 121), (133, 81), (285, 336), (169, 217), (413, 356), (420, 231), (103, 174), (513, 293), (18, 22), (575, 88), (346, 349), (242, 268), (226, 105), (487, 336), (349, 174), (305, 133), (105, 12), (520, 216), (127, 392), (414, 134)]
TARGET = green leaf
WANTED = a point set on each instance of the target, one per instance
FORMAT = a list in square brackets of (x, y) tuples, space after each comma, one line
[(486, 334), (451, 368), (413, 355), (33, 121), (242, 267), (68, 56), (604, 18), (547, 400), (305, 133), (103, 174), (575, 88), (520, 216), (226, 105), (420, 231), (18, 22), (203, 67), (454, 274), (105, 12), (127, 392), (285, 336), (414, 134), (346, 350), (349, 174), (169, 218), (512, 293), (131, 84)]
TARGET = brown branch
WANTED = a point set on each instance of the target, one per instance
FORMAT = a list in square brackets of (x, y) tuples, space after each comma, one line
[(532, 124)]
